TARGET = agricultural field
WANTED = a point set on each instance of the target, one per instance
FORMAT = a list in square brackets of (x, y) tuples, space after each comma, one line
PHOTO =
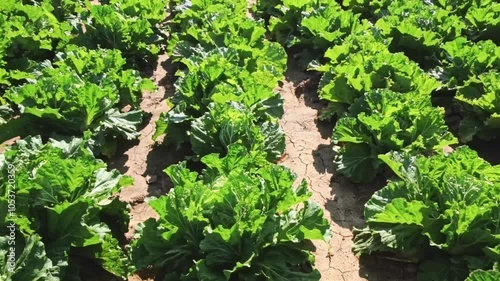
[(258, 140)]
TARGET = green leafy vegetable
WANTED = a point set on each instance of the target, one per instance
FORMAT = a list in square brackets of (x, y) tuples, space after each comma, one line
[(483, 20), (106, 68), (213, 24), (465, 59), (31, 262), (482, 275), (418, 28), (107, 26), (383, 121), (239, 219), (62, 194), (479, 99), (350, 74), (225, 124), (443, 211), (312, 26), (219, 77), (154, 10), (63, 101), (368, 8), (29, 33), (62, 9)]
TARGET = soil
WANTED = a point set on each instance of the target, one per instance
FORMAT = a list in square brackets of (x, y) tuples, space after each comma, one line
[(146, 160)]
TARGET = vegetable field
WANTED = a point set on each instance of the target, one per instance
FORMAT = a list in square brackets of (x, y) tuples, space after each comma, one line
[(250, 140)]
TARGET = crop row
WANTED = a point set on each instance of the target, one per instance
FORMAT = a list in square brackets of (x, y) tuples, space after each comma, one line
[(384, 64)]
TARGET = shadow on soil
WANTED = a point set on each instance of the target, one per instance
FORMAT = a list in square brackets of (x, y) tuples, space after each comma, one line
[(488, 150), (165, 81), (323, 159), (91, 271), (347, 210), (158, 159), (168, 80), (118, 160), (162, 156), (306, 85), (378, 268)]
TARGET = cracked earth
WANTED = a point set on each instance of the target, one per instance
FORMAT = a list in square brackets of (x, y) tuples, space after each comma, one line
[(145, 161)]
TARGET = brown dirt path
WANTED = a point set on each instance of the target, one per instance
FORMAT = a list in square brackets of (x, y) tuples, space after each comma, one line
[(146, 161), (309, 153)]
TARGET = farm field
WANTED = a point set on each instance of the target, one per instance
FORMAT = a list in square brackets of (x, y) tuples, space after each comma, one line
[(262, 140)]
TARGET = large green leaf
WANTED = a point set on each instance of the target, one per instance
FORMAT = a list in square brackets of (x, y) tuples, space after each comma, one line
[(483, 275), (30, 261), (230, 123)]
